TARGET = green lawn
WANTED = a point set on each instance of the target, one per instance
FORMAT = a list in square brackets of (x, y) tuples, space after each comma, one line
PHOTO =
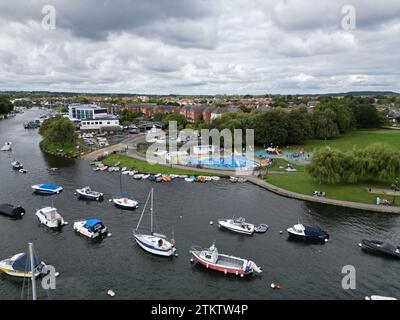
[(358, 139), (145, 167), (301, 182)]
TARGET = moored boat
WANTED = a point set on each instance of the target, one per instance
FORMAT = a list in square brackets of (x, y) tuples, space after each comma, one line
[(50, 217), (6, 147), (47, 188), (308, 233), (88, 193), (11, 211), (238, 225), (376, 297), (125, 202), (190, 179), (91, 228), (19, 265), (212, 259), (138, 176), (381, 247), (153, 242), (166, 178), (17, 165)]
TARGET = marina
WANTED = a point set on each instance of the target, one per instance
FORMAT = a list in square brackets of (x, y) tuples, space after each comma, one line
[(186, 209)]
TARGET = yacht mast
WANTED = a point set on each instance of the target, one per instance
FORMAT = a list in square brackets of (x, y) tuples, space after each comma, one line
[(32, 270), (151, 212)]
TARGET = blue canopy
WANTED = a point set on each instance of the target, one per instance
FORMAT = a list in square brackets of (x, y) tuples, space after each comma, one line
[(49, 186), (92, 222), (23, 263)]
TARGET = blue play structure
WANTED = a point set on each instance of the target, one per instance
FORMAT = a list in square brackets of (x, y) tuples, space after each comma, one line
[(227, 162)]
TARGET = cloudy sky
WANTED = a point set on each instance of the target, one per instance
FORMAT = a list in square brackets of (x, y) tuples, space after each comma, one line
[(200, 46)]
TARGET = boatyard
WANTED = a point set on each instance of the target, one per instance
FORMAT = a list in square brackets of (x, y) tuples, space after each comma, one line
[(183, 211)]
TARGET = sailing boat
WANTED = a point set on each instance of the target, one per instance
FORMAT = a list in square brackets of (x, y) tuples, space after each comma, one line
[(124, 201), (153, 242)]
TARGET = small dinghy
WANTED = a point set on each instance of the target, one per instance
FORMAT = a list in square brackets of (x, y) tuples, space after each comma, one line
[(11, 211), (125, 202), (6, 147), (17, 165), (233, 179), (201, 179), (47, 188), (262, 228), (210, 258), (159, 179), (381, 247), (215, 178), (303, 232), (88, 193), (138, 176), (152, 177), (50, 217), (154, 243), (19, 265), (166, 178), (190, 179), (23, 171), (238, 225), (91, 228), (125, 172), (145, 176)]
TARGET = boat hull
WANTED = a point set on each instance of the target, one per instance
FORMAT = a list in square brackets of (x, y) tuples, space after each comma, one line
[(225, 225), (86, 196), (220, 268), (37, 189), (152, 249), (374, 247)]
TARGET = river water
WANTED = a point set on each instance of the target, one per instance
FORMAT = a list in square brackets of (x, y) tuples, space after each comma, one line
[(88, 269)]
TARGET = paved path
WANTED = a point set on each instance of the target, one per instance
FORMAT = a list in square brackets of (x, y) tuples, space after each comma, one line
[(130, 144)]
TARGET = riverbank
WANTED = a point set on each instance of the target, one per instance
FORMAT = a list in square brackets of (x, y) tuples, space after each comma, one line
[(66, 151), (145, 167)]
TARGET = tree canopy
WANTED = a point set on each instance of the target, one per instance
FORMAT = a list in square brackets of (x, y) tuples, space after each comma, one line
[(5, 105)]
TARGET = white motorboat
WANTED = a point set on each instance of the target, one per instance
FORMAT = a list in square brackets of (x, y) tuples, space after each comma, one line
[(6, 147), (154, 243), (88, 193), (125, 202), (304, 232), (23, 171), (19, 265), (375, 297), (238, 225), (212, 259), (17, 165), (91, 228), (50, 217)]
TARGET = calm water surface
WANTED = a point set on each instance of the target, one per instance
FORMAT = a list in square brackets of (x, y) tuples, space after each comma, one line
[(88, 269)]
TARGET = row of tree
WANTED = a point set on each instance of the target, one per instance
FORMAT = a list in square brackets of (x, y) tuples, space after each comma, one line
[(376, 162), (5, 105), (281, 126)]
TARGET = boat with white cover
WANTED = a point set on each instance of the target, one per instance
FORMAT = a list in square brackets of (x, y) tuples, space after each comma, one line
[(50, 217), (212, 259), (47, 188), (238, 225), (88, 193), (154, 243), (91, 228)]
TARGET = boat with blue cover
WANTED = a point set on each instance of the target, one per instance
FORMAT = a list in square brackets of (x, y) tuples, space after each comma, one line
[(47, 188), (19, 265), (91, 228), (303, 232)]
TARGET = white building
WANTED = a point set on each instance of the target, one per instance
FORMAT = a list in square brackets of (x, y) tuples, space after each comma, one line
[(104, 124), (86, 112)]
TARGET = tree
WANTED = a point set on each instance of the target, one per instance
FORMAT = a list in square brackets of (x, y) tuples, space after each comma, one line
[(59, 131), (5, 105), (324, 124), (366, 116), (343, 114), (179, 118), (299, 127)]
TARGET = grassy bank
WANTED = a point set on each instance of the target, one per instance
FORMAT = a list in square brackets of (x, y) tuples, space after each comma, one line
[(68, 150), (302, 182), (145, 167), (358, 139)]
